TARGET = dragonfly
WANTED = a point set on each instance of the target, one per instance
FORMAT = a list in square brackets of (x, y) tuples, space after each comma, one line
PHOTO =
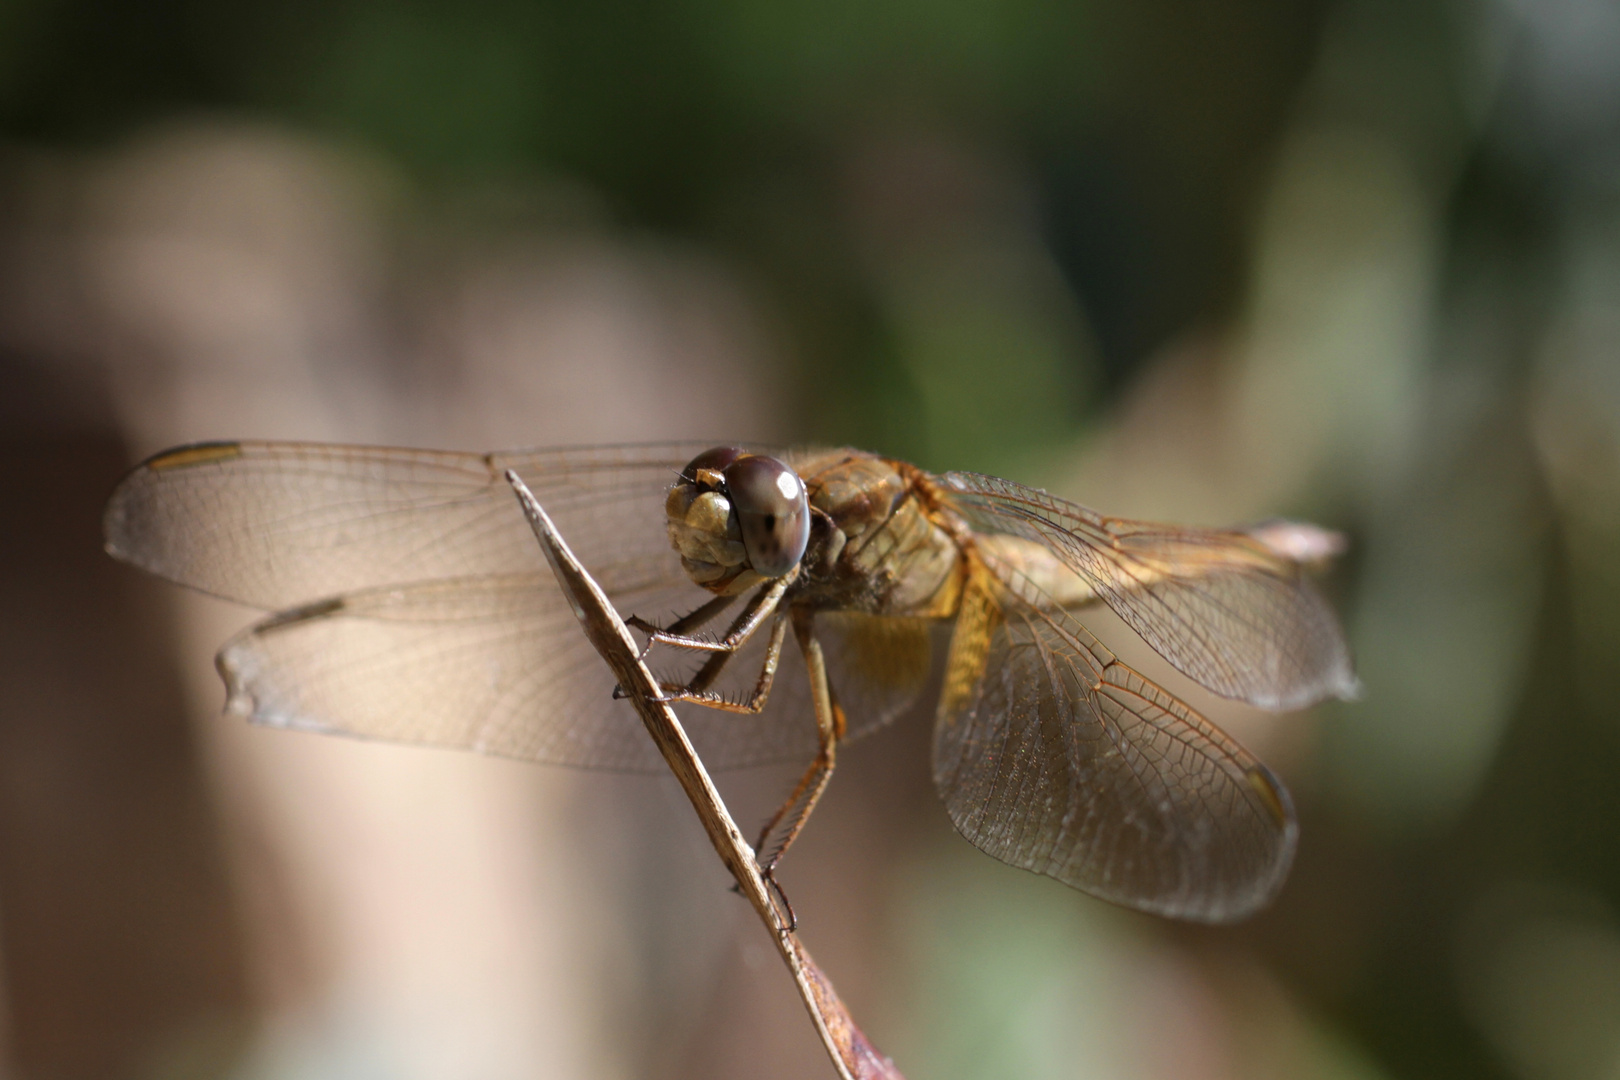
[(408, 601)]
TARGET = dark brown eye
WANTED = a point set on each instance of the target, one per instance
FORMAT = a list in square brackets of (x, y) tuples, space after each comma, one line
[(714, 460), (773, 511)]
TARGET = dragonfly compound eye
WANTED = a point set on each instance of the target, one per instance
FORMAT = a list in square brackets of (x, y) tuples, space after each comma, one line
[(772, 510), (710, 465)]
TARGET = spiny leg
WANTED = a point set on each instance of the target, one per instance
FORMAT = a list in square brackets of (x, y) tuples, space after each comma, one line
[(759, 608), (684, 625), (753, 616), (830, 727), (697, 688), (681, 626)]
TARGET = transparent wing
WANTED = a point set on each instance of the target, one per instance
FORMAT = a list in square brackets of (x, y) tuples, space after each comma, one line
[(500, 665), (1225, 607), (274, 525), (419, 607), (1053, 756), (494, 663)]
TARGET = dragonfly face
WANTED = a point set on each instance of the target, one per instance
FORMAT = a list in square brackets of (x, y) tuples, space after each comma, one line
[(737, 519), (410, 602)]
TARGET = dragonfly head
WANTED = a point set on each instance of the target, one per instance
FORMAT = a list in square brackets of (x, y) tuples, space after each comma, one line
[(737, 519)]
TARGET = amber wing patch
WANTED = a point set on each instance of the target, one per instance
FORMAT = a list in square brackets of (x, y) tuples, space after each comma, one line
[(976, 623)]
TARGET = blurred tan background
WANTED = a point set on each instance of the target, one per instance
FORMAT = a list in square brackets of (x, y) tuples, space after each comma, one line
[(1355, 261)]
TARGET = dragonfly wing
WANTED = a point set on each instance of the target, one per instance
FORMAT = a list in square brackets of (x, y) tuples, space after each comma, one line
[(1227, 608), (1053, 756), (877, 666), (419, 607), (493, 664), (275, 525)]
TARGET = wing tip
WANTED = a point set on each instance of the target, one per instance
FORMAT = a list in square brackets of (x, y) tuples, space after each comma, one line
[(1335, 680), (1349, 687), (129, 534), (1273, 795), (1300, 541), (115, 522), (245, 703)]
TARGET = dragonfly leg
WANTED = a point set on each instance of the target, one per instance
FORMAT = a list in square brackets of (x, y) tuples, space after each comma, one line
[(781, 894), (697, 689), (790, 817), (682, 626), (759, 608)]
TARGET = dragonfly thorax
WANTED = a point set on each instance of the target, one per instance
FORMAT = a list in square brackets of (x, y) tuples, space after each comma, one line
[(737, 519)]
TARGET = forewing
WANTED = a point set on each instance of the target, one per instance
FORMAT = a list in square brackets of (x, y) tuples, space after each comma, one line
[(421, 610), (1226, 608), (419, 606), (275, 525), (1053, 756)]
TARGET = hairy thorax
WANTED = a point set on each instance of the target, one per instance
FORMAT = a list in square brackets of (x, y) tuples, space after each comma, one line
[(878, 543)]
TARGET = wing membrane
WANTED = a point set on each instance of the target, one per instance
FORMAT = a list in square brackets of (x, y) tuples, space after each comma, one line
[(496, 664), (279, 524), (419, 608), (1053, 756), (500, 665), (1226, 608)]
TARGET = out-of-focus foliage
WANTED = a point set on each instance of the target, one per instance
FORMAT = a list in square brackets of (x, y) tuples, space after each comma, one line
[(881, 167), (1352, 260)]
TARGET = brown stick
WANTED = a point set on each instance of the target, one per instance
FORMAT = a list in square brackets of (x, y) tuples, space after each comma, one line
[(852, 1055)]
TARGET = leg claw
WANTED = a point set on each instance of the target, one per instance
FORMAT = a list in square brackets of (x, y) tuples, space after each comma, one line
[(620, 693), (768, 875)]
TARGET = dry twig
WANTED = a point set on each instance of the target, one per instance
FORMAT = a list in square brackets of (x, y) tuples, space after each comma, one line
[(853, 1056)]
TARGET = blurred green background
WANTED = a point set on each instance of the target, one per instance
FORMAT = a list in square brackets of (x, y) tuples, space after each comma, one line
[(1213, 261)]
